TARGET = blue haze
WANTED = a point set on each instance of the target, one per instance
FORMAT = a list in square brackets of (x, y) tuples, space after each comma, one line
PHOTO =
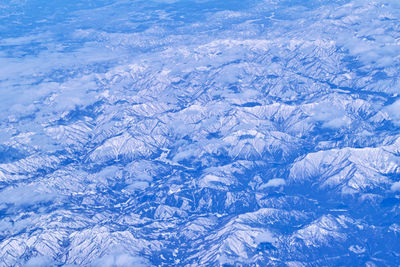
[(200, 133)]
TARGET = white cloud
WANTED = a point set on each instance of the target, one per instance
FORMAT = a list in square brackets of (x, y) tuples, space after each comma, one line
[(40, 261), (393, 111), (395, 187), (212, 181), (137, 185), (265, 237), (120, 260), (331, 116), (273, 183), (24, 195)]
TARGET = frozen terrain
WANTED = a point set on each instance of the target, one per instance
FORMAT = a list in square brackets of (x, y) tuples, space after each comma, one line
[(200, 133)]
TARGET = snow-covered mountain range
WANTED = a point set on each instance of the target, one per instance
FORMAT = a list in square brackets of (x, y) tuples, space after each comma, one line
[(200, 133)]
